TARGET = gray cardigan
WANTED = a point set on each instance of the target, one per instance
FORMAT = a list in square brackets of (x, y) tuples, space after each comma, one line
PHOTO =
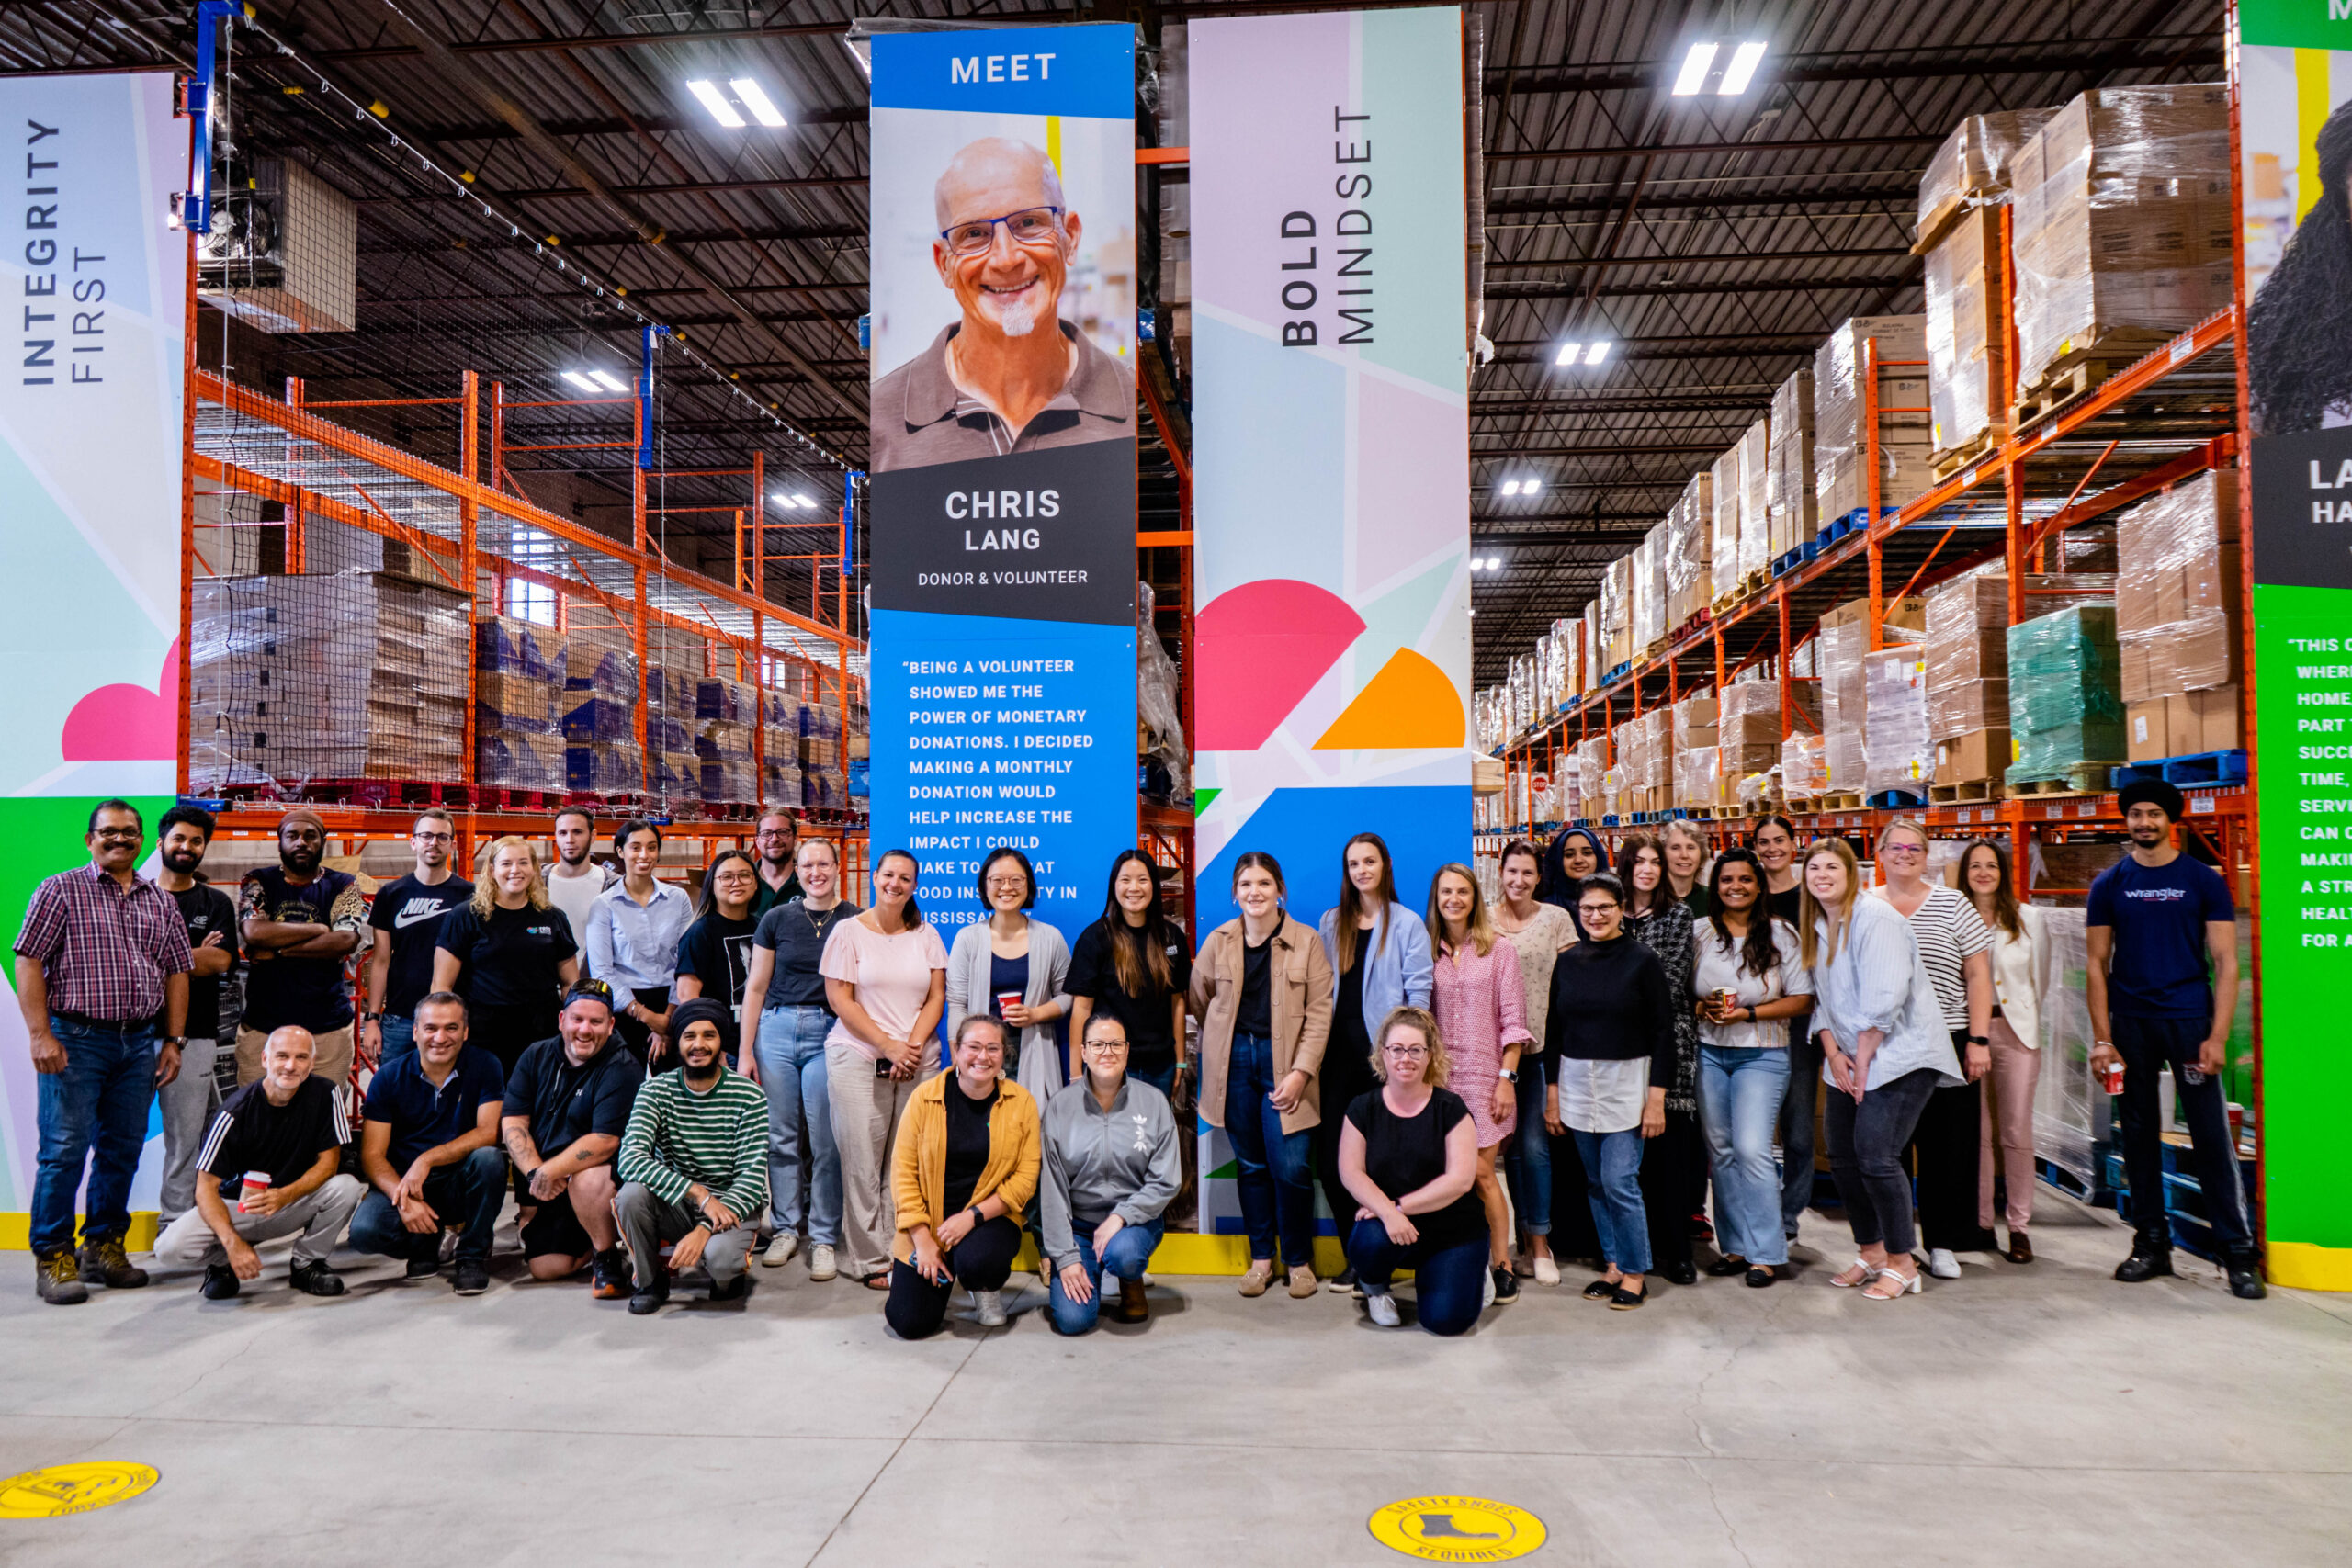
[(1039, 1067), (1122, 1162)]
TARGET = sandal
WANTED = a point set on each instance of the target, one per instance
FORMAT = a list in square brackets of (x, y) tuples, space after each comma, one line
[(1856, 1273), (1905, 1284)]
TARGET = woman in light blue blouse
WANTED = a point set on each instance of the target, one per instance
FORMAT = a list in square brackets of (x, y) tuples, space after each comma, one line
[(1380, 961), (1885, 1051)]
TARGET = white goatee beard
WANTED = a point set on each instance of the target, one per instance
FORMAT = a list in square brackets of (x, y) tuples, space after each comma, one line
[(1017, 320)]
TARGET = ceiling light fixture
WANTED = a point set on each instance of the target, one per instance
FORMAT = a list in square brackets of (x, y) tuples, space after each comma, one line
[(1741, 71), (1510, 487), (1568, 355), (577, 380), (1529, 487), (755, 98), (608, 381), (1596, 353), (1694, 70), (724, 112)]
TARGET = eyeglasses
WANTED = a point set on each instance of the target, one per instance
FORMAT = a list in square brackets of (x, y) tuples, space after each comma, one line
[(1109, 1046), (1589, 910), (120, 834), (433, 838), (1030, 226), (1406, 1053), (1904, 849), (1008, 884)]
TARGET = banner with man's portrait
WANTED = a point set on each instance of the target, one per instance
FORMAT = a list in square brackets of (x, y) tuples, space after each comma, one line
[(1004, 457)]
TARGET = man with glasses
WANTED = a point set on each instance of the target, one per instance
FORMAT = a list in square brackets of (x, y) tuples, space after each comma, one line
[(102, 955), (779, 843), (1011, 376), (405, 918), (301, 921)]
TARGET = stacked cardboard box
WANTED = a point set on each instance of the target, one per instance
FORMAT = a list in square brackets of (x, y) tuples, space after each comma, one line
[(1649, 591), (519, 671), (1967, 646), (1689, 549), (1791, 502), (2179, 626), (1897, 759), (1841, 474), (1592, 777), (1842, 647), (1727, 487), (1960, 234), (1594, 644), (1617, 612), (1696, 735), (1973, 168), (1750, 734), (2065, 694), (2123, 222), (601, 690), (1803, 772), (357, 675), (672, 699), (1755, 502)]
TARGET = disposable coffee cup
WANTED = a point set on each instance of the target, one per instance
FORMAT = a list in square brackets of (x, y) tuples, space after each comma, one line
[(254, 1186), (2112, 1080), (1006, 1000)]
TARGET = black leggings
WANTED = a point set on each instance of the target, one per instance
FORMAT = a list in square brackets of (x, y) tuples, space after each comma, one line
[(1674, 1183), (981, 1261)]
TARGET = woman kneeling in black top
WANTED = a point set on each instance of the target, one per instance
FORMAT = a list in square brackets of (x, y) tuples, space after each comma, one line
[(1413, 1137)]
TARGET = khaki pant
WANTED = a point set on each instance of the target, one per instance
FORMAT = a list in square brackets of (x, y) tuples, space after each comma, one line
[(866, 1112), (331, 1063), (2006, 1123)]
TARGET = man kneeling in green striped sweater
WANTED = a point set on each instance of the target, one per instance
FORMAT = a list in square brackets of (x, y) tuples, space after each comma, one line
[(693, 1165)]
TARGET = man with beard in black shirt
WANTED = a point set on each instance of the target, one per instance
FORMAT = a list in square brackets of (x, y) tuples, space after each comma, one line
[(188, 1102)]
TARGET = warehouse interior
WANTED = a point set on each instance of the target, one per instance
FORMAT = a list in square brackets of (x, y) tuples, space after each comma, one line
[(1859, 420)]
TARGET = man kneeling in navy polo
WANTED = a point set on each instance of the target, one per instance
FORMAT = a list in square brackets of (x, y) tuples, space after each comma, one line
[(428, 1142)]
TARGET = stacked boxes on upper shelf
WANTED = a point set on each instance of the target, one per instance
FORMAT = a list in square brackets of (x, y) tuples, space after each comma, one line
[(780, 783), (1966, 185), (1696, 766), (518, 685), (1844, 653), (1750, 732), (1690, 542), (1649, 591), (726, 713), (673, 699), (2065, 695), (2179, 626), (822, 784), (1841, 470), (1968, 679), (1791, 501), (1897, 759), (600, 696), (1617, 612)]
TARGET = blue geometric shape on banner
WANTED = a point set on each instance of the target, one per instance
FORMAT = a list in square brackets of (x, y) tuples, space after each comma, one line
[(1425, 826)]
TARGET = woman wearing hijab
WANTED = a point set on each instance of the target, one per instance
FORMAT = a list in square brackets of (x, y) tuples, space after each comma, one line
[(1567, 861)]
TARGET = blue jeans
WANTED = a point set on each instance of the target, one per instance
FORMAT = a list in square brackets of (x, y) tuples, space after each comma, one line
[(467, 1194), (1275, 1170), (1741, 1090), (94, 1114), (1529, 1159), (1164, 1079), (791, 1050), (400, 1038), (1612, 1167), (1126, 1257), (1449, 1281)]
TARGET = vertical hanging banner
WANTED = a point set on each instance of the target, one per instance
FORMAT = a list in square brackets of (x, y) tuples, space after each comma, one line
[(1331, 438), (91, 384), (1331, 444), (2294, 125), (1003, 462)]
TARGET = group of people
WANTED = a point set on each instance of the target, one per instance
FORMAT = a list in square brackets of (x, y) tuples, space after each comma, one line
[(658, 1079)]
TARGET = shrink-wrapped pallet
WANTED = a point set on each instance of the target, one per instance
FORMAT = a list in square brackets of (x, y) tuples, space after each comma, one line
[(2065, 697), (1792, 504), (1727, 486), (1897, 756), (1649, 591), (1968, 392), (2179, 624), (1843, 643), (1974, 166), (1617, 612), (1688, 548), (1841, 469)]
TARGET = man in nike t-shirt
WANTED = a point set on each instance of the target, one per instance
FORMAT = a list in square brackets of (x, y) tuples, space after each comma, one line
[(406, 917)]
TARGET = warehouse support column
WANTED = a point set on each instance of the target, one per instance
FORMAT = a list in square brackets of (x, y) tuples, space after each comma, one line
[(469, 565)]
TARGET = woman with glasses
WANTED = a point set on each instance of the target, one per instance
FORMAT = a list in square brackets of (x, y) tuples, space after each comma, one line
[(1884, 1050), (1262, 988), (1476, 1001), (1750, 983), (1957, 953), (963, 1165), (1612, 1024), (1408, 1150), (1539, 933), (1112, 1167), (1674, 1163), (509, 953), (1012, 967), (1133, 965), (1380, 953), (885, 984), (715, 955)]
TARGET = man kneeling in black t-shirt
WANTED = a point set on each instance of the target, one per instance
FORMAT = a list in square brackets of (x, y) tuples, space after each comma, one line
[(279, 1140), (567, 1106)]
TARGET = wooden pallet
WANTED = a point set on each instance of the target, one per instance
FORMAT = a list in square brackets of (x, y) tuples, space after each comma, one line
[(2076, 372), (2083, 778), (1949, 460), (1744, 588), (1837, 800), (1966, 792), (1726, 813)]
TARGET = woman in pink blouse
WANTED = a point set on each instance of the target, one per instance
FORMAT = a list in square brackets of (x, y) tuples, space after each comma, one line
[(1480, 1001)]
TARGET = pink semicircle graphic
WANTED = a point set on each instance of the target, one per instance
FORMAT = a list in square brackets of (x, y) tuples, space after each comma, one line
[(1262, 646), (124, 723)]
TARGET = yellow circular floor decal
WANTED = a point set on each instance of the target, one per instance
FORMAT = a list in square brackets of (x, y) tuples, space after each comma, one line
[(72, 1489), (1457, 1530)]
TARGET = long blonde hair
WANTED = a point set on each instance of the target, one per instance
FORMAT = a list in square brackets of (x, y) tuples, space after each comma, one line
[(1479, 926), (1440, 1066), (485, 896), (1810, 912)]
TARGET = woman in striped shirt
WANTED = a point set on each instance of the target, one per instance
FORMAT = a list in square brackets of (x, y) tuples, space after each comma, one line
[(1885, 1051), (1957, 953)]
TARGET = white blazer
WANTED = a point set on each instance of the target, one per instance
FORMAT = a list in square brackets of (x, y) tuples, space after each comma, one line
[(2019, 964)]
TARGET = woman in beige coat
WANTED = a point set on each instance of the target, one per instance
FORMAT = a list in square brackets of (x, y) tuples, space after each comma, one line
[(1261, 987)]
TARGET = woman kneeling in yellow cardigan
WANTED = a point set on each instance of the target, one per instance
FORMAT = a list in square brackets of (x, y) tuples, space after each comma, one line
[(965, 1167)]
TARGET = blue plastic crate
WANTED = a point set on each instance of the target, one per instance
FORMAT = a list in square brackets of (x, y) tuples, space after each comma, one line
[(1788, 563)]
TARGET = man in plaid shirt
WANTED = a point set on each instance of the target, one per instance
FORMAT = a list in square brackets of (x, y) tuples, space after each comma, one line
[(103, 955)]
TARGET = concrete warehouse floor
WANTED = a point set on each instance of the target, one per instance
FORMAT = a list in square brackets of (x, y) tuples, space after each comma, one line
[(2029, 1415)]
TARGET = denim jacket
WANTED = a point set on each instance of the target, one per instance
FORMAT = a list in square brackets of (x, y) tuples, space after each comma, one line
[(1396, 975)]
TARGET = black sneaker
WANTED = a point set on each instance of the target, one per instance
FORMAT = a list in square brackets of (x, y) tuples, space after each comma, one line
[(652, 1299), (1343, 1283), (2245, 1279), (424, 1265), (733, 1290), (220, 1283), (608, 1275), (472, 1279), (2149, 1264), (58, 1278), (315, 1278), (104, 1260), (1506, 1285)]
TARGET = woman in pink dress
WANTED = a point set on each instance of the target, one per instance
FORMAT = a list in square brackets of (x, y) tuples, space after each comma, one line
[(1480, 1001)]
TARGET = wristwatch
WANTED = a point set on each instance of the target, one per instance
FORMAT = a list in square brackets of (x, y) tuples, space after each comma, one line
[(977, 1218), (1751, 1012), (1980, 1040), (175, 1040), (1508, 1075)]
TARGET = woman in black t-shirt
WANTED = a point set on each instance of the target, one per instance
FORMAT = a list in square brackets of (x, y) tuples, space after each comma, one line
[(1410, 1157), (1134, 965), (715, 954), (509, 953)]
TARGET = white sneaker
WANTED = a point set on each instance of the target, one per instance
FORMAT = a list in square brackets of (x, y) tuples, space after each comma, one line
[(781, 1246), (991, 1305), (1547, 1270), (820, 1263), (1488, 1299), (1382, 1309), (1942, 1264)]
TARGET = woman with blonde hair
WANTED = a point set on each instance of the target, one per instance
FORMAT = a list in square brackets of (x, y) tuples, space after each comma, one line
[(509, 953), (1408, 1150), (1262, 988), (1885, 1051), (2021, 951), (1539, 933), (1478, 996)]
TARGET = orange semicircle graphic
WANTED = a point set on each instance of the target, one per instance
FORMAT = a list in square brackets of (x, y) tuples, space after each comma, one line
[(1408, 704)]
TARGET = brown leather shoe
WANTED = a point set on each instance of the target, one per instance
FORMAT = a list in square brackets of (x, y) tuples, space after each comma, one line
[(1133, 1306), (2020, 1247), (58, 1278), (104, 1260)]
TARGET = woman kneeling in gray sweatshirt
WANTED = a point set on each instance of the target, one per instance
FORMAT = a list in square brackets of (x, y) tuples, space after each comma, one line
[(1111, 1169)]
